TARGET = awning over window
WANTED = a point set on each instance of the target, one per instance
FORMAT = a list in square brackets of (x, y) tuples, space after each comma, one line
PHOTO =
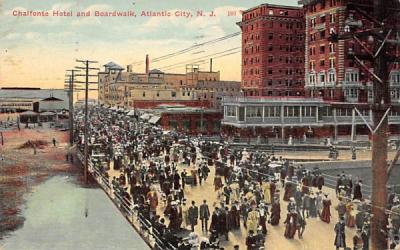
[(154, 119), (145, 117)]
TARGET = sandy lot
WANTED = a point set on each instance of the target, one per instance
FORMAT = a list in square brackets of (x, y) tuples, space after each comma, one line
[(21, 170)]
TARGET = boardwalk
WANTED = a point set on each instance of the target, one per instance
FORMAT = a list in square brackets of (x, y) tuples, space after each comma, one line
[(318, 235)]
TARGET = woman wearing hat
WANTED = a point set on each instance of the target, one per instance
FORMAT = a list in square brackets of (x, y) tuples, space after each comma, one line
[(275, 212), (326, 211), (340, 239)]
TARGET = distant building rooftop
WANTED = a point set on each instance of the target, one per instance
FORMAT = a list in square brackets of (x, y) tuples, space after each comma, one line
[(155, 71), (183, 109), (52, 98), (113, 65)]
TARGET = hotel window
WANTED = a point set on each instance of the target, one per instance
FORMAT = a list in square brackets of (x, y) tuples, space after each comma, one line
[(395, 78), (322, 34), (274, 111), (353, 93), (173, 94), (322, 19), (312, 65), (322, 63), (312, 22), (322, 78), (253, 111), (312, 78), (144, 94), (332, 17), (270, 12), (230, 111), (344, 112), (331, 63), (308, 111), (331, 47), (271, 36), (292, 111), (322, 49), (270, 59), (270, 71), (351, 76), (370, 94), (331, 76)]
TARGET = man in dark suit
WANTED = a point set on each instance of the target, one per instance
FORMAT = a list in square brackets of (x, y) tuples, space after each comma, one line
[(193, 215), (204, 216)]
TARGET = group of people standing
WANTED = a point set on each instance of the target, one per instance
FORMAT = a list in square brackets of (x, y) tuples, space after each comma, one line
[(156, 168)]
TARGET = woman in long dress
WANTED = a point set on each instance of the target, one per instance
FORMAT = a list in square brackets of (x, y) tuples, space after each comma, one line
[(291, 225), (313, 206), (326, 211), (275, 213), (253, 220), (350, 216), (267, 193), (289, 190)]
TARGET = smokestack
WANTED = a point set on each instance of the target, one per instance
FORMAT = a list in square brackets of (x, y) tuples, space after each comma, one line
[(210, 64), (147, 64)]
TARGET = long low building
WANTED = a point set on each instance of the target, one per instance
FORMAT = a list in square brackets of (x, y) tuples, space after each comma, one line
[(191, 120), (295, 116), (33, 99)]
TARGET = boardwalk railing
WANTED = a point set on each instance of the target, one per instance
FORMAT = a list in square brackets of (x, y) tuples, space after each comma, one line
[(143, 226)]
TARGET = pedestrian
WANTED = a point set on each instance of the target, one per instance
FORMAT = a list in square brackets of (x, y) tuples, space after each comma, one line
[(301, 224), (200, 174), (253, 219), (291, 224), (251, 241), (313, 206), (357, 241), (357, 193), (227, 194), (54, 141), (340, 239), (204, 216), (326, 211), (341, 208), (350, 215), (263, 210), (214, 226), (193, 215), (223, 222), (275, 212), (183, 178), (306, 205)]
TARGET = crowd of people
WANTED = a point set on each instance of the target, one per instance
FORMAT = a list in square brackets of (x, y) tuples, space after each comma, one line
[(155, 167)]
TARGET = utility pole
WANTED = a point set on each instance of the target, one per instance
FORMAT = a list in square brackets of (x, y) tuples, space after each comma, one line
[(374, 42), (71, 86), (379, 139), (202, 109), (86, 125)]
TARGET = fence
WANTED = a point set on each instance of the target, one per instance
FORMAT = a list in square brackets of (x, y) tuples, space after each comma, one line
[(143, 226)]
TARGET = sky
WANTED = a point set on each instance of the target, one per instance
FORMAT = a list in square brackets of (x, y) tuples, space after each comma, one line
[(36, 51)]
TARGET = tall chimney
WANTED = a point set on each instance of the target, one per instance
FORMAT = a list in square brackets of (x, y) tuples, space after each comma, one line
[(210, 64), (147, 64)]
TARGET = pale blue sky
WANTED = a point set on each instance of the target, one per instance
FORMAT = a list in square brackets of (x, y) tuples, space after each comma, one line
[(35, 51)]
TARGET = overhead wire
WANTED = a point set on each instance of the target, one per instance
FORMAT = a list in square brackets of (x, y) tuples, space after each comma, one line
[(193, 47)]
